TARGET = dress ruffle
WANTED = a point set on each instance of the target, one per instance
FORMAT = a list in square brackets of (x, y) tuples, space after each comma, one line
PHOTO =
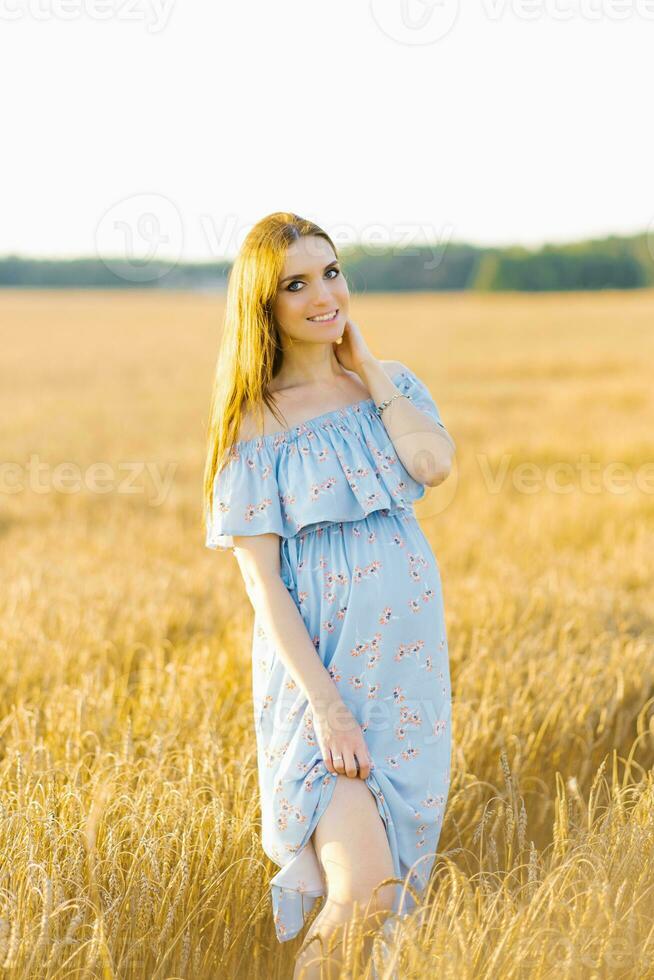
[(336, 467)]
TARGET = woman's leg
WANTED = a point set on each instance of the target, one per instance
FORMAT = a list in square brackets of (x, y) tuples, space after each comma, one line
[(351, 844)]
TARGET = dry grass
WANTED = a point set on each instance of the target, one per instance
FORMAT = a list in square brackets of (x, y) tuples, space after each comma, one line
[(129, 818)]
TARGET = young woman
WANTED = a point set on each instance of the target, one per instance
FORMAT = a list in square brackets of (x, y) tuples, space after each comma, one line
[(316, 453)]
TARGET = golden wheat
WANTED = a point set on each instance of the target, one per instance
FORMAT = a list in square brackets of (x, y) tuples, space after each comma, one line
[(130, 830)]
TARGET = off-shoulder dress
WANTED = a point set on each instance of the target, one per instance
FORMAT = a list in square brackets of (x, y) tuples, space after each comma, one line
[(367, 585)]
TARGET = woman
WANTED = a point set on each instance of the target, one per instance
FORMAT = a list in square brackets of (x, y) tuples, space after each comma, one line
[(350, 662)]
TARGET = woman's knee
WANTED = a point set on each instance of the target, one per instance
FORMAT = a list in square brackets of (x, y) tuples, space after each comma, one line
[(374, 896), (382, 897)]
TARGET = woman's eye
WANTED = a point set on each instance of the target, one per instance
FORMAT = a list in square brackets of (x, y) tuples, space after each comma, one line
[(299, 281)]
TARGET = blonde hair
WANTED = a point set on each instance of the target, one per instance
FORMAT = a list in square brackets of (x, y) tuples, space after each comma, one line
[(250, 353)]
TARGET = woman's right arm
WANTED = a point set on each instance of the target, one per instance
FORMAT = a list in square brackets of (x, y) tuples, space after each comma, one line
[(336, 728)]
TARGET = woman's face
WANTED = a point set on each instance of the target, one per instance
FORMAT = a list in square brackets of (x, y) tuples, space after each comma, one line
[(311, 285)]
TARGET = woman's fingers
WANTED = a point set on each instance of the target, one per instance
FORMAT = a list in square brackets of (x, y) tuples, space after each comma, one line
[(325, 752), (344, 761), (329, 765), (347, 756), (364, 767), (350, 764)]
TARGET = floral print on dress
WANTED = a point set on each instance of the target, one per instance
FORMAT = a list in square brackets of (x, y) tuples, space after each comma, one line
[(367, 586)]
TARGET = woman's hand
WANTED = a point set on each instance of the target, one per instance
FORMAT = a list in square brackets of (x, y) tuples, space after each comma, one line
[(352, 351), (341, 740)]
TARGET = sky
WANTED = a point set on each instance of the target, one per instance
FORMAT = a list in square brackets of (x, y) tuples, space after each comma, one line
[(167, 128)]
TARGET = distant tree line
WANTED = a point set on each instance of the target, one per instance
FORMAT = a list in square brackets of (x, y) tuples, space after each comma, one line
[(607, 263), (94, 273)]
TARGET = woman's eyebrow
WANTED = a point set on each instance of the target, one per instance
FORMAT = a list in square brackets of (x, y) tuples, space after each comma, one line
[(304, 275)]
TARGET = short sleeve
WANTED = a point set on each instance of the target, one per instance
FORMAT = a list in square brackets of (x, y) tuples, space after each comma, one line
[(410, 384), (245, 498)]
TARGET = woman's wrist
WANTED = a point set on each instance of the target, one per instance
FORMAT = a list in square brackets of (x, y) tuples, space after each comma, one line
[(379, 383), (323, 701), (334, 713), (330, 708), (370, 369)]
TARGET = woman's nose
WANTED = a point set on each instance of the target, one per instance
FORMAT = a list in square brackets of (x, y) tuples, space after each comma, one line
[(323, 294)]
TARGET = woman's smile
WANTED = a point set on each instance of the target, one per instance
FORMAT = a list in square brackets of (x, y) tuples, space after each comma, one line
[(324, 317)]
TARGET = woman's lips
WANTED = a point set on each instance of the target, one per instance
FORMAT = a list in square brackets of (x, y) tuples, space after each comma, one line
[(330, 320)]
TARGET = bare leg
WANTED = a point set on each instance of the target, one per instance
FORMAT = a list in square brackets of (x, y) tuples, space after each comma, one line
[(351, 844)]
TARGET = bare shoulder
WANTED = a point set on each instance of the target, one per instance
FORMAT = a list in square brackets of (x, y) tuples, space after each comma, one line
[(392, 367), (249, 424), (246, 428)]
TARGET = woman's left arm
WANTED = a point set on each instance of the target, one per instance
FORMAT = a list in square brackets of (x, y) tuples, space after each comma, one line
[(425, 448)]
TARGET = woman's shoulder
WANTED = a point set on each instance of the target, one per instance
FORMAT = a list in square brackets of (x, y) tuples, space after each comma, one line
[(248, 425), (250, 420)]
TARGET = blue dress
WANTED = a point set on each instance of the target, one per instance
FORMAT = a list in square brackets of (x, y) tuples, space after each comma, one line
[(367, 585)]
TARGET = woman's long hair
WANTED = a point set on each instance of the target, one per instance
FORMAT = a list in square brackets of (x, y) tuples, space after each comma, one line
[(250, 352)]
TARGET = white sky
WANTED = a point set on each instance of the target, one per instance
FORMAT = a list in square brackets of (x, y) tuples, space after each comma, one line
[(169, 127)]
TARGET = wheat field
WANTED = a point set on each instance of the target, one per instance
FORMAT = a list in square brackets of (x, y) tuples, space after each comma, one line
[(129, 812)]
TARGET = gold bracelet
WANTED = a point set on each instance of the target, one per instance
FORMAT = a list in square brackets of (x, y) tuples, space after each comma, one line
[(398, 394)]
